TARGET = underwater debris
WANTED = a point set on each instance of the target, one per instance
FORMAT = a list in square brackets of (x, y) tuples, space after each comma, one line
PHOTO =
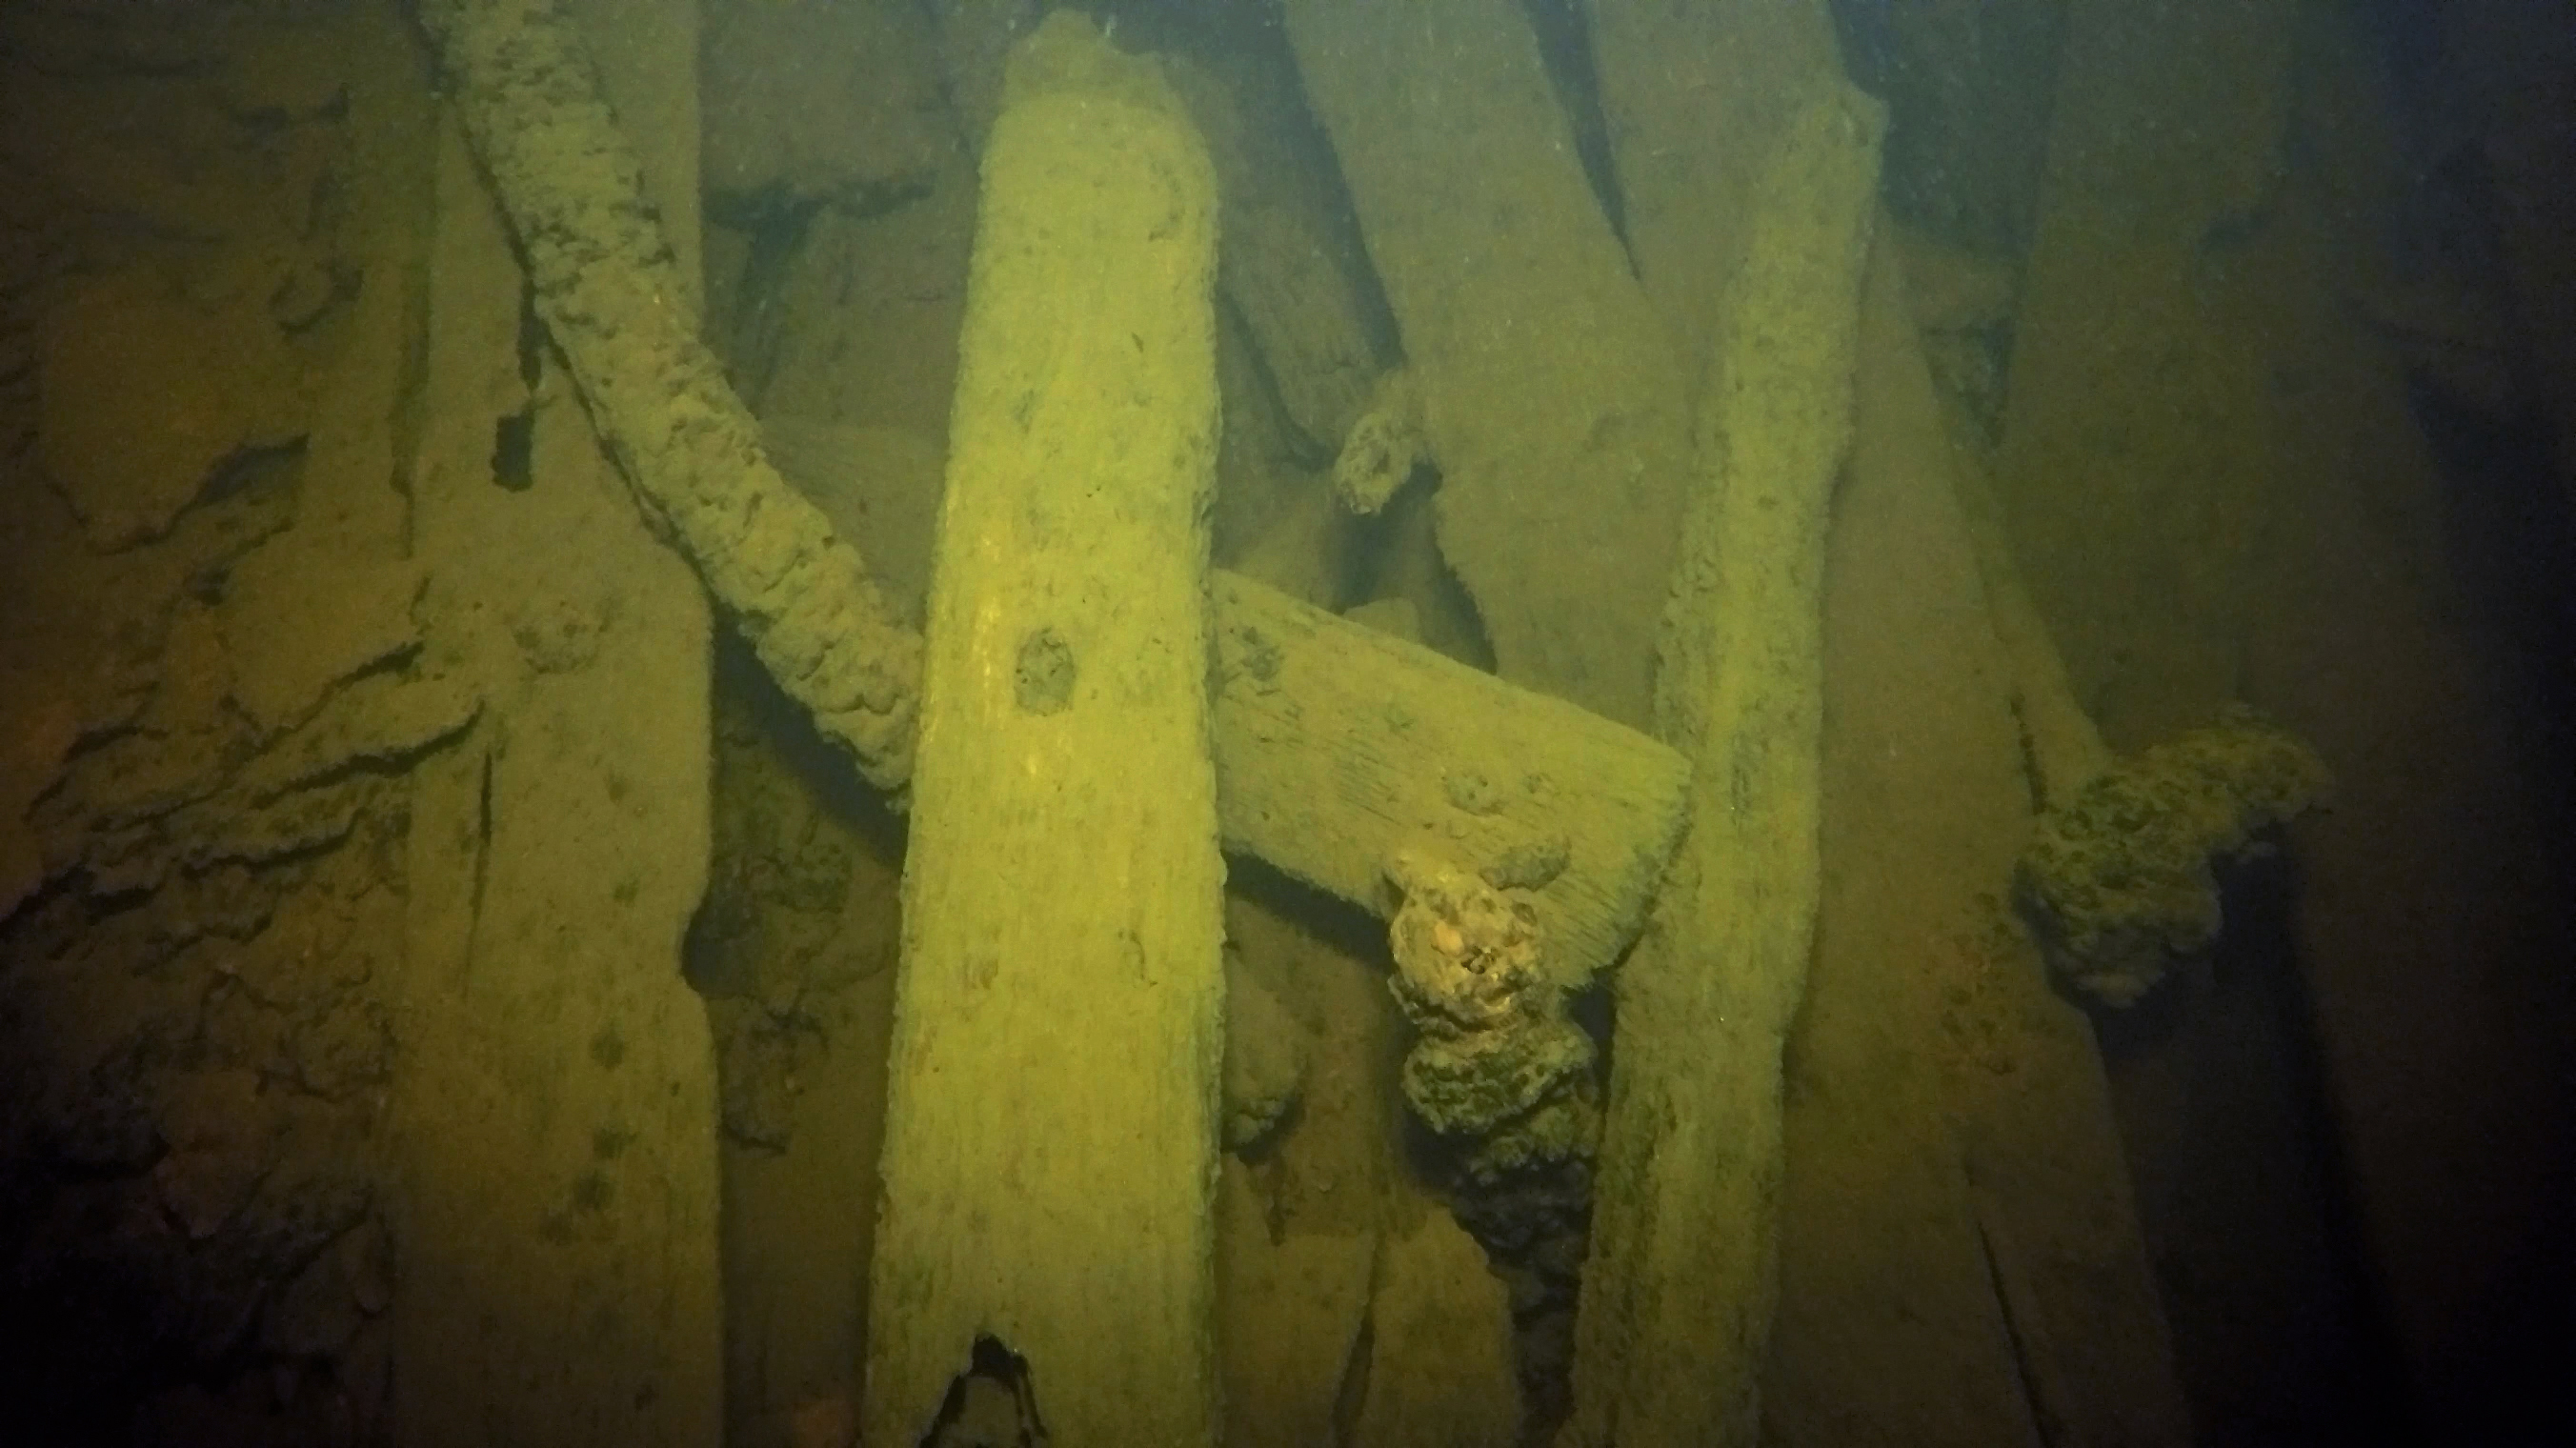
[(2120, 882), (1500, 1070), (1383, 449)]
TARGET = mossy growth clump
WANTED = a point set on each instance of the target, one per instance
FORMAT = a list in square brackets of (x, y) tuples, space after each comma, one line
[(2121, 880), (1497, 1059)]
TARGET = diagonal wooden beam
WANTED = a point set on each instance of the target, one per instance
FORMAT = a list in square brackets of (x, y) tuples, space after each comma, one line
[(1678, 1292)]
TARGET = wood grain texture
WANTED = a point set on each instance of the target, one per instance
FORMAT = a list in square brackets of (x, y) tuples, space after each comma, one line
[(1051, 1135), (1678, 1292), (1338, 745)]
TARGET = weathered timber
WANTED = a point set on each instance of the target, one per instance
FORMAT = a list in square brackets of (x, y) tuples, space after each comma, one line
[(1338, 746), (1678, 1291), (1988, 1283), (569, 187), (1051, 1118), (618, 305), (1291, 266), (1889, 1324), (1556, 409), (550, 1118)]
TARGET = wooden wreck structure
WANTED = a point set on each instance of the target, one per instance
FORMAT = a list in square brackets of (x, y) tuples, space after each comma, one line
[(1657, 442)]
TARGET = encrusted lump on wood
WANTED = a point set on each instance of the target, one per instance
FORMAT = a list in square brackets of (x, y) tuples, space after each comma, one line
[(2120, 881)]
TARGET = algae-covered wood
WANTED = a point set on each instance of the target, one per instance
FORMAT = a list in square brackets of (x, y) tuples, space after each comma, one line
[(1051, 1132), (1678, 1291), (1338, 746)]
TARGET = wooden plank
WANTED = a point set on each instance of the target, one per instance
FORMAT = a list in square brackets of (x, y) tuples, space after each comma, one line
[(1678, 1291), (1695, 99), (1932, 1056), (1052, 1110), (552, 1114), (1338, 746)]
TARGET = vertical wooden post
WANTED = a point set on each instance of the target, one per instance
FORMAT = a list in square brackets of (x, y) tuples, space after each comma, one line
[(1051, 1130)]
